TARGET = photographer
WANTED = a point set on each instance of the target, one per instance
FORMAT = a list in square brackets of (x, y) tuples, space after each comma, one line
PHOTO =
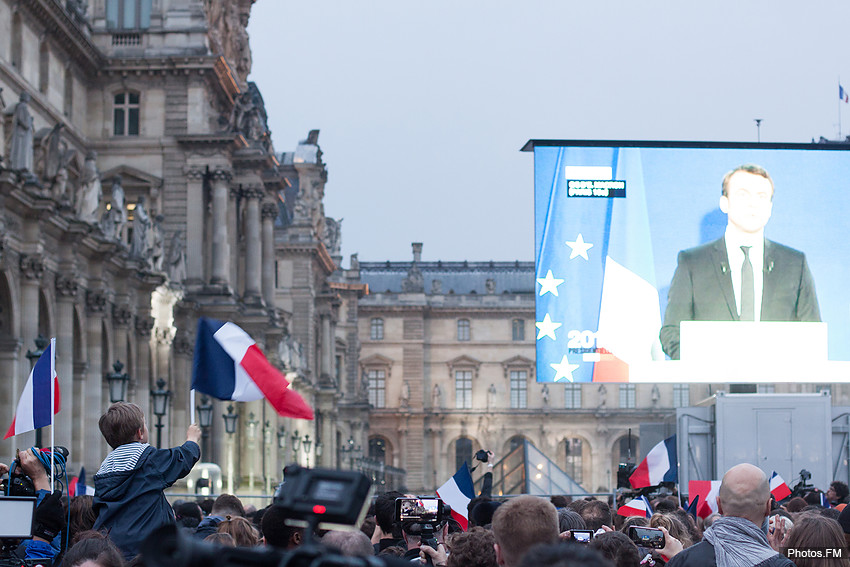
[(49, 517), (430, 549)]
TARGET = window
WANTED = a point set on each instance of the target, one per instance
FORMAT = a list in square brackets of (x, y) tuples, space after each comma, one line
[(376, 329), (128, 14), (463, 452), (125, 116), (572, 396), (574, 461), (463, 329), (519, 389), (518, 330), (377, 388), (627, 396), (681, 395), (766, 389), (516, 441), (463, 389)]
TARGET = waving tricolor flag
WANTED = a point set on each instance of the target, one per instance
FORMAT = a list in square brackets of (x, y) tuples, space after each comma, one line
[(228, 365), (33, 411), (660, 465), (636, 507), (77, 486), (778, 487), (706, 491), (457, 492)]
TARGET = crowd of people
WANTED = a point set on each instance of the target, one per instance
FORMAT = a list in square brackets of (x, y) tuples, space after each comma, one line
[(110, 528)]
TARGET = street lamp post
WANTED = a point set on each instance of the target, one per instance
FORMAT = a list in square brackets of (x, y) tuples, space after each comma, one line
[(117, 381), (230, 428), (350, 449), (33, 356), (306, 443), (296, 445), (267, 456), (252, 424), (205, 409), (160, 404), (281, 445)]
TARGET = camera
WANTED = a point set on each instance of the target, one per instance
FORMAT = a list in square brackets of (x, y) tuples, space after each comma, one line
[(581, 536), (652, 538), (482, 455), (327, 498), (421, 517), (19, 484)]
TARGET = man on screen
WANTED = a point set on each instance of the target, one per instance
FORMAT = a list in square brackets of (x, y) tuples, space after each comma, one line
[(742, 276)]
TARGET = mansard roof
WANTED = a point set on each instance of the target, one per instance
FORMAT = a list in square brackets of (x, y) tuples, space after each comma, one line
[(454, 277)]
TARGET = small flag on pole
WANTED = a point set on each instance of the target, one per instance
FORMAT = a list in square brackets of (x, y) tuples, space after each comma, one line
[(78, 487), (778, 487), (229, 365), (843, 94), (33, 411), (706, 491), (457, 492), (660, 465), (636, 507)]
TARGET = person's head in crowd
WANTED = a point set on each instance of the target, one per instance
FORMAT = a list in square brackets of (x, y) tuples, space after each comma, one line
[(569, 520), (634, 521), (393, 551), (257, 520), (559, 501), (385, 512), (482, 515), (844, 522), (368, 526), (228, 506), (811, 509), (690, 524), (123, 423), (558, 555), (618, 548), (241, 530), (674, 527), (830, 513), (796, 504), (188, 514), (813, 531), (577, 505), (349, 544), (94, 551), (813, 498), (706, 523), (250, 510), (82, 517), (221, 538), (665, 505), (206, 506), (838, 492), (596, 514), (744, 493), (473, 548), (276, 533), (521, 523), (472, 504)]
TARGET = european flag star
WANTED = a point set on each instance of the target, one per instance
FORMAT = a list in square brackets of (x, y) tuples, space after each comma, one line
[(549, 284), (564, 369), (546, 328), (579, 247)]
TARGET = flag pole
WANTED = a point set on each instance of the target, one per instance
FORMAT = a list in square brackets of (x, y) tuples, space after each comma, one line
[(192, 405), (52, 415)]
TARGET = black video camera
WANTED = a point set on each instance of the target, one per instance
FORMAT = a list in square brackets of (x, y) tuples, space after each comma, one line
[(19, 484), (421, 517)]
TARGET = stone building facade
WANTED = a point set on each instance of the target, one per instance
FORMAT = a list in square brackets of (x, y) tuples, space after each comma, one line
[(139, 190)]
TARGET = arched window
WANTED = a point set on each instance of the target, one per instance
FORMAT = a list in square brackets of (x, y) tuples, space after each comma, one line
[(463, 329), (516, 441), (376, 329), (463, 452), (125, 114)]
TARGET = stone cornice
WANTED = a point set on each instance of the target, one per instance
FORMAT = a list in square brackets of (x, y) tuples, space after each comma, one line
[(62, 29), (313, 247)]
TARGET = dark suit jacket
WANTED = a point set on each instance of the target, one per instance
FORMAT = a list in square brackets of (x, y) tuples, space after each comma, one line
[(702, 289)]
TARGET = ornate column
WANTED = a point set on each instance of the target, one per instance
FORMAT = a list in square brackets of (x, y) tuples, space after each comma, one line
[(182, 348), (253, 244), (66, 294), (93, 443), (122, 315), (328, 345), (144, 383), (269, 214), (32, 269), (194, 224), (221, 241)]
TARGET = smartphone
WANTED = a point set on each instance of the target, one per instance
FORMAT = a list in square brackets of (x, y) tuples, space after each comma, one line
[(419, 510), (652, 538), (581, 536)]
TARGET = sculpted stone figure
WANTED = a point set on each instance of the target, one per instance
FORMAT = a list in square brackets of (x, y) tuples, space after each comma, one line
[(156, 244), (141, 225), (21, 150), (115, 219), (176, 261), (90, 192), (57, 156)]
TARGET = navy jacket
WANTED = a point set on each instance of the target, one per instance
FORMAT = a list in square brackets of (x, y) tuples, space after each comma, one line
[(129, 499)]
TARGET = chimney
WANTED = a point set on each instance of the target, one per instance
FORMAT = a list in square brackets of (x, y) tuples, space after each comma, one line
[(417, 251)]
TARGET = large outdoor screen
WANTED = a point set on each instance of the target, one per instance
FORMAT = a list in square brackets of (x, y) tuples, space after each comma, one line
[(647, 272)]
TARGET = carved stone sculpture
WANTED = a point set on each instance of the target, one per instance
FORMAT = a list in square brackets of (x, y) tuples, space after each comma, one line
[(141, 225), (176, 260), (115, 219), (21, 150), (90, 193)]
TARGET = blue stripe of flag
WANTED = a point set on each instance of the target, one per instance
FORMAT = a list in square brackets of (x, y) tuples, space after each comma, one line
[(213, 370), (672, 474), (463, 479), (41, 387)]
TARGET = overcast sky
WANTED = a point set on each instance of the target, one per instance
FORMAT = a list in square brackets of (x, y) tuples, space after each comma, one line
[(423, 106)]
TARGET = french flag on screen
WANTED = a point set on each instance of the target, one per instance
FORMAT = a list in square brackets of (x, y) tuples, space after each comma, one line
[(228, 365), (33, 409), (778, 487), (457, 492), (660, 465), (636, 507)]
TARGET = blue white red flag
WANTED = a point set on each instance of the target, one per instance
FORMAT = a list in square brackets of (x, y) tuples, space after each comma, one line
[(778, 487), (228, 365), (706, 491), (77, 486), (692, 506), (636, 507), (33, 411), (824, 501), (660, 465), (842, 94), (457, 492)]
